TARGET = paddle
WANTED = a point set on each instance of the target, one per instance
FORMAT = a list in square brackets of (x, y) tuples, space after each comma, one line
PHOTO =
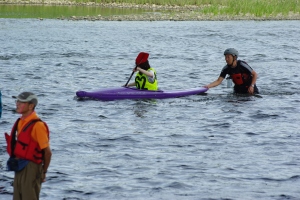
[(141, 58)]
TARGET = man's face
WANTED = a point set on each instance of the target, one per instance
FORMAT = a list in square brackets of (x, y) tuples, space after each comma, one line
[(23, 107), (229, 59)]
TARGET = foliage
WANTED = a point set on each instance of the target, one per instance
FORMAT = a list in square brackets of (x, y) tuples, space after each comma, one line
[(223, 7)]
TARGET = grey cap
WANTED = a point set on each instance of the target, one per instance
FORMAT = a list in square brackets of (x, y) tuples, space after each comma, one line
[(27, 97), (231, 51)]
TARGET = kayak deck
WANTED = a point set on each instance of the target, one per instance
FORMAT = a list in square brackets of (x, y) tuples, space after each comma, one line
[(119, 93)]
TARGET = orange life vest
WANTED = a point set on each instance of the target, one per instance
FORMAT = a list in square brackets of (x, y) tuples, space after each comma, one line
[(25, 146)]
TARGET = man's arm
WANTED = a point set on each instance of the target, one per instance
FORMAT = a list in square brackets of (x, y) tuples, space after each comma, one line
[(215, 83), (46, 162), (254, 77)]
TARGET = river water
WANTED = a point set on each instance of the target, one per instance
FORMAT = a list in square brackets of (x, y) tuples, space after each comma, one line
[(212, 146)]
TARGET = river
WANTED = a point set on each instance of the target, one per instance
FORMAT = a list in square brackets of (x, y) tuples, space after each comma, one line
[(212, 146)]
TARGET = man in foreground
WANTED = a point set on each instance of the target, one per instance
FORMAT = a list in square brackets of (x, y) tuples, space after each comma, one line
[(29, 149)]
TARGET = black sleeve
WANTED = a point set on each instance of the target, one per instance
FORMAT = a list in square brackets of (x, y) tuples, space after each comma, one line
[(224, 71), (246, 67)]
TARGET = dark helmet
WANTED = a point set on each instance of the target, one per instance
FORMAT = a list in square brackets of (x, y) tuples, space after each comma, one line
[(27, 97), (231, 51)]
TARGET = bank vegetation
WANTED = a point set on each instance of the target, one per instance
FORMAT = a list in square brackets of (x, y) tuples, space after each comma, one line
[(195, 9)]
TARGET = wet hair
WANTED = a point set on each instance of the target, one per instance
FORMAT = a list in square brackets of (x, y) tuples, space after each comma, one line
[(144, 65)]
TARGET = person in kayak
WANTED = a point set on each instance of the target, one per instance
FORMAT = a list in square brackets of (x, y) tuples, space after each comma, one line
[(146, 78), (242, 75)]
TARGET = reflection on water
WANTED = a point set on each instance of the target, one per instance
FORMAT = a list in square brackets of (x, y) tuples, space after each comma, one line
[(142, 106)]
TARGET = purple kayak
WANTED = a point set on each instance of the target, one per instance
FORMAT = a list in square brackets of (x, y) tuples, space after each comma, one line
[(119, 93)]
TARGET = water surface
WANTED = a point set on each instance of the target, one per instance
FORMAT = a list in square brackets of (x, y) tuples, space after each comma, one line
[(212, 146)]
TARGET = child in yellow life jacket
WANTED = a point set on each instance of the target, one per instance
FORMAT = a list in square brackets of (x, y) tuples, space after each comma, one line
[(242, 75), (146, 77)]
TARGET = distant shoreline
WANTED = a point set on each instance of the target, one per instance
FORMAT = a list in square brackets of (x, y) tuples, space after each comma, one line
[(175, 13)]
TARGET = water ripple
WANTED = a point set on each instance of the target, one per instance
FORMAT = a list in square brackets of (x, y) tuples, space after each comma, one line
[(211, 146)]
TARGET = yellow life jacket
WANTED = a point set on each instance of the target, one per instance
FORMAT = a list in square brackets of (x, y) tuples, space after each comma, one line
[(142, 82)]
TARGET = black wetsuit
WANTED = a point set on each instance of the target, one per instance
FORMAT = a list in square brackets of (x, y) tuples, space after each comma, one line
[(241, 76)]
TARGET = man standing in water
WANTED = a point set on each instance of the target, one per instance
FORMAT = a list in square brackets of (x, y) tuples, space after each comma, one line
[(29, 149), (242, 75)]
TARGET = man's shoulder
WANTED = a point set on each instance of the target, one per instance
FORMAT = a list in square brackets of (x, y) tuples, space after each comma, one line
[(226, 67), (38, 123), (244, 64)]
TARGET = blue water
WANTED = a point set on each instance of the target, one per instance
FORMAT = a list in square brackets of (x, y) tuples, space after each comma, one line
[(212, 146), (0, 104)]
